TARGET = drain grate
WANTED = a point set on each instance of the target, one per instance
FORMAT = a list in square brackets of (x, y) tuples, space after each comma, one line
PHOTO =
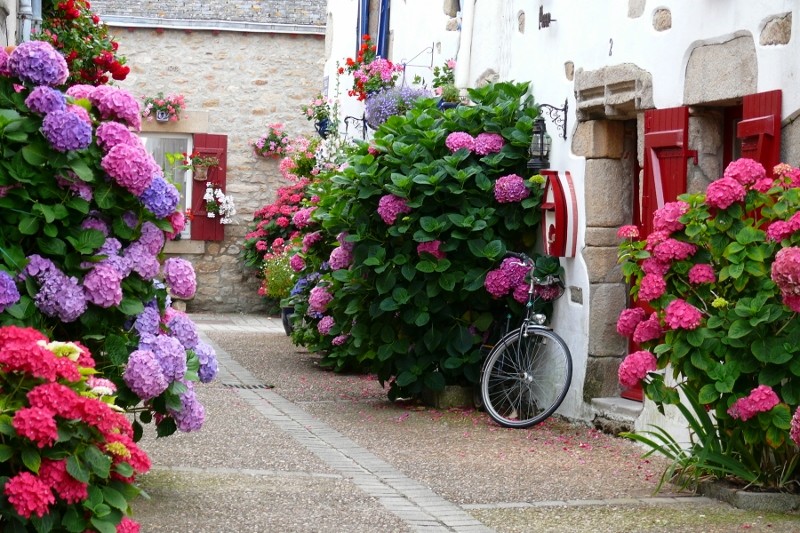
[(244, 386)]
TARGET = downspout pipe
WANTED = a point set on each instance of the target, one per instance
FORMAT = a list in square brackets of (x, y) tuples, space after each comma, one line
[(463, 58), (383, 29), (29, 19)]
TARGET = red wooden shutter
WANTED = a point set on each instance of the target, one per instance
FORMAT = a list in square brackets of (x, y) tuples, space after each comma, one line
[(760, 128), (204, 228), (666, 138)]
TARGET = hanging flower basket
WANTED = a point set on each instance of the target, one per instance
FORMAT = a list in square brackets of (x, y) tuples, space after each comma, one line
[(199, 173)]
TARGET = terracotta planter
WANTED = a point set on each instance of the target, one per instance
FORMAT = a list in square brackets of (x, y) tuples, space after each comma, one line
[(199, 173)]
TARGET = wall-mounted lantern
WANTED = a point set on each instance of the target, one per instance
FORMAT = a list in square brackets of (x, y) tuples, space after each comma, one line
[(544, 18), (540, 146)]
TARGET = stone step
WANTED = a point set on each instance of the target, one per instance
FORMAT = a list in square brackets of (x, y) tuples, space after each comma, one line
[(614, 414)]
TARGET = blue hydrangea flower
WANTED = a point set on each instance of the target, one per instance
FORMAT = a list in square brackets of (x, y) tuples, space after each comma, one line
[(161, 197), (170, 354), (147, 321), (209, 367), (9, 294), (45, 100), (391, 101), (66, 131), (192, 413), (182, 328)]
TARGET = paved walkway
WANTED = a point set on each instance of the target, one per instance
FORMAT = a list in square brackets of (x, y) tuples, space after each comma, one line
[(264, 462)]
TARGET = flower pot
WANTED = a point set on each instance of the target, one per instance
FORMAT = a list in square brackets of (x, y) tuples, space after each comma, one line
[(286, 318), (322, 127), (199, 173), (441, 104), (162, 116)]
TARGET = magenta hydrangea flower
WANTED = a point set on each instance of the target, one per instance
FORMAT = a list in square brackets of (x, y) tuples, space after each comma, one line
[(760, 400), (340, 258), (302, 217), (628, 232), (648, 330), (794, 432), (779, 230), (4, 70), (110, 133), (389, 206), (673, 249), (520, 293), (680, 314), (144, 376), (724, 192), (786, 272), (339, 340), (180, 277), (702, 273), (745, 171), (44, 99), (311, 239), (667, 217), (629, 319), (510, 188), (635, 368), (9, 294), (132, 167), (458, 140), (651, 265), (28, 494), (325, 325), (103, 286), (651, 287), (66, 131), (37, 62), (431, 247), (178, 222), (655, 238), (297, 263), (114, 103), (497, 283), (488, 143), (161, 197), (318, 299)]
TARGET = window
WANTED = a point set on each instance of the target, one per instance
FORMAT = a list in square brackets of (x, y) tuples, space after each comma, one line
[(164, 146)]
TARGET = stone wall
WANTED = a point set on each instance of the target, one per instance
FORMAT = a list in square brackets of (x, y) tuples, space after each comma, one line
[(241, 82), (304, 12)]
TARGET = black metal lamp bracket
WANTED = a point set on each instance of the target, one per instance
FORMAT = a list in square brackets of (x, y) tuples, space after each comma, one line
[(558, 115)]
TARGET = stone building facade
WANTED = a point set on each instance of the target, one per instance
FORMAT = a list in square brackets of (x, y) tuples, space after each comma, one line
[(240, 66)]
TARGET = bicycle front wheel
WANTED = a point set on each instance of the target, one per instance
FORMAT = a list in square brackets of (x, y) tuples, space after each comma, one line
[(526, 377)]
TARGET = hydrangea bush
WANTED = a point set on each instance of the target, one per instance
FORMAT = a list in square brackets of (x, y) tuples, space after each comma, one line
[(86, 212), (401, 292), (721, 276), (68, 454)]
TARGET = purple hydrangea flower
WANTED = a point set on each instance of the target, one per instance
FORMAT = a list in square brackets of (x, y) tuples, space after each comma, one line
[(192, 413), (144, 376), (510, 188), (180, 277), (102, 286), (39, 63), (391, 101), (182, 328), (325, 325), (38, 266), (109, 134), (148, 321), (115, 103), (209, 366), (161, 197), (131, 167), (142, 261), (9, 295), (4, 70), (340, 258), (92, 222), (74, 184), (60, 296), (170, 354), (66, 131), (44, 99), (152, 238), (130, 218), (110, 247)]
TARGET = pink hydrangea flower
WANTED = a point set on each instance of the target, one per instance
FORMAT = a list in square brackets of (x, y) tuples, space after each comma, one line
[(115, 103), (54, 474), (702, 273), (340, 258), (325, 325), (510, 188), (339, 340), (497, 283), (628, 320), (786, 270), (794, 432), (651, 265), (132, 167), (667, 217), (655, 238), (302, 217), (488, 143), (680, 314), (431, 247), (779, 230), (458, 140), (652, 286), (648, 330), (318, 299), (724, 192), (311, 239), (390, 206), (745, 171), (635, 368), (628, 232), (760, 400), (37, 425), (673, 250), (180, 277), (297, 263), (29, 495)]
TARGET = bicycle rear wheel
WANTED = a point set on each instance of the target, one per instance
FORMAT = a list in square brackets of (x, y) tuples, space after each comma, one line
[(526, 377)]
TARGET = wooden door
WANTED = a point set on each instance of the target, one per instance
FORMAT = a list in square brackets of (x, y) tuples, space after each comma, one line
[(204, 228)]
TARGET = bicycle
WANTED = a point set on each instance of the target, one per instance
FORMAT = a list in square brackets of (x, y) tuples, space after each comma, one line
[(528, 372)]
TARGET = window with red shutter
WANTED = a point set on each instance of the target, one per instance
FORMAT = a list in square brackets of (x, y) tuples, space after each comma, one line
[(760, 128), (202, 227)]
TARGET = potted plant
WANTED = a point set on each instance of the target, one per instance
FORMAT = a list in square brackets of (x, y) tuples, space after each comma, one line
[(444, 85), (318, 110), (449, 97), (218, 204), (199, 164), (273, 143), (163, 108), (278, 279), (371, 73)]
